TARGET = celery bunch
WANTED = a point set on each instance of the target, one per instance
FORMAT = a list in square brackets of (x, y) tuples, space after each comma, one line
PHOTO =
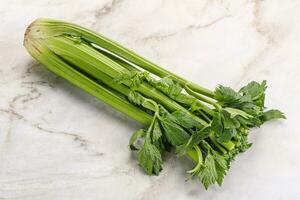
[(210, 127)]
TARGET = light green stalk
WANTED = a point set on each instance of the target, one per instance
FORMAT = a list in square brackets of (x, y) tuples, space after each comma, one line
[(59, 67), (97, 65), (56, 27)]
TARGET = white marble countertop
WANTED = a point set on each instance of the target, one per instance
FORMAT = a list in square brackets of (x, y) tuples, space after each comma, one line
[(56, 142)]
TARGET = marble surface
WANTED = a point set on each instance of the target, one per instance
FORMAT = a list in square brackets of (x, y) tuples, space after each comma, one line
[(56, 142)]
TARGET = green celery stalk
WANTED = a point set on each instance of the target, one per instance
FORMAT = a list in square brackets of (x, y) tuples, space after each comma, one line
[(98, 65), (58, 66), (56, 27)]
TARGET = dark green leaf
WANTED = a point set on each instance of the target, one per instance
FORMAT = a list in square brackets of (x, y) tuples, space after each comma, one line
[(174, 90), (184, 119), (216, 124), (221, 166), (208, 174), (254, 89), (184, 99), (226, 95), (228, 122), (174, 133), (156, 133), (226, 135), (149, 158), (272, 114), (157, 137), (220, 159), (221, 173), (194, 140)]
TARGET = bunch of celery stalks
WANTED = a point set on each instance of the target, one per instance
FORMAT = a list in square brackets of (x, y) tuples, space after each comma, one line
[(210, 127)]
